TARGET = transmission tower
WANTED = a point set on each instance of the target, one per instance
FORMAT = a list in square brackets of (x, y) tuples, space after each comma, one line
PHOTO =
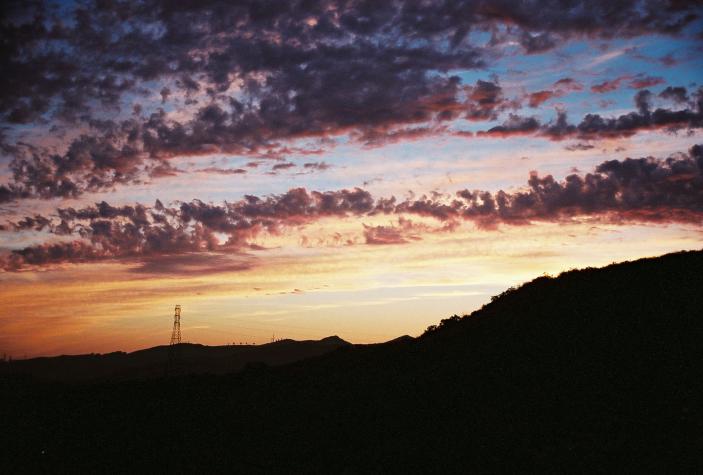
[(174, 363), (176, 333)]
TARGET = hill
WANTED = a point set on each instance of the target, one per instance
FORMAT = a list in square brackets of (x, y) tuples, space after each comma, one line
[(152, 362), (596, 370)]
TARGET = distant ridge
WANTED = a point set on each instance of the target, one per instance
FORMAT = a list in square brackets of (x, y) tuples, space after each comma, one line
[(150, 362)]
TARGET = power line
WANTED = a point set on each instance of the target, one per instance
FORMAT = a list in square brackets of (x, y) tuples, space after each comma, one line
[(307, 330)]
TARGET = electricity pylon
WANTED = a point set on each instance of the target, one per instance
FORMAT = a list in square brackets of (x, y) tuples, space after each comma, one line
[(174, 365), (176, 333)]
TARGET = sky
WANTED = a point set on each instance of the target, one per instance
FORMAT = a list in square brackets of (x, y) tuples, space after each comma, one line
[(300, 169)]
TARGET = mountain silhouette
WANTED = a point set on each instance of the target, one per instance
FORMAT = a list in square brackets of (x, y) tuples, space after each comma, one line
[(151, 362), (595, 370)]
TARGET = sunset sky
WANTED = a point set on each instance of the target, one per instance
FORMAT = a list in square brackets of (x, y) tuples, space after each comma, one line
[(319, 167)]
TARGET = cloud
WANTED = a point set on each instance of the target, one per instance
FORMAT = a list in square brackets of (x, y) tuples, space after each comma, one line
[(595, 126), (96, 52), (515, 125), (560, 88), (139, 233), (642, 189), (384, 235), (404, 230), (668, 60), (609, 85), (201, 263), (487, 98), (678, 95), (123, 152), (321, 166), (580, 146), (635, 189), (639, 81), (376, 72), (35, 223), (568, 84), (222, 171), (536, 99), (282, 166), (537, 43)]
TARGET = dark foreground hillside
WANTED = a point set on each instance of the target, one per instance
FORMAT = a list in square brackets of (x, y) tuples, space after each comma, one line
[(596, 370)]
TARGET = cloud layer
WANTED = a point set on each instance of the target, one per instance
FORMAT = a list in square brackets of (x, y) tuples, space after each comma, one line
[(132, 151), (145, 82), (633, 190), (96, 52), (596, 127)]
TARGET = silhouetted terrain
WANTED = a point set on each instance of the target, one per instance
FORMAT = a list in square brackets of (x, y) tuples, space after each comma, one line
[(598, 370), (151, 362)]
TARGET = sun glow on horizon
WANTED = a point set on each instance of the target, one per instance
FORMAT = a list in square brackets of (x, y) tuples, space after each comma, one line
[(351, 170)]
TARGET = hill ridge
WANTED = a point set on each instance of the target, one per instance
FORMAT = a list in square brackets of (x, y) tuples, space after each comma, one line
[(596, 370), (151, 362)]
